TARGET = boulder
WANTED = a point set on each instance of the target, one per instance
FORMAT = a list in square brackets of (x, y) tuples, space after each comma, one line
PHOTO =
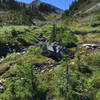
[(55, 50), (93, 46)]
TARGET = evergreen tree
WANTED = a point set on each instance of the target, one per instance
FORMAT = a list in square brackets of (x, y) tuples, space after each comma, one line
[(53, 34)]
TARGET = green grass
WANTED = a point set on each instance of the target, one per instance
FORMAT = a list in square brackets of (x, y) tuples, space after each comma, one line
[(54, 80), (12, 35), (33, 56), (81, 26)]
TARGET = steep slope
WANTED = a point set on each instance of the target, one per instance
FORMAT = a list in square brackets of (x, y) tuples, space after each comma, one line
[(82, 6), (39, 11), (85, 19)]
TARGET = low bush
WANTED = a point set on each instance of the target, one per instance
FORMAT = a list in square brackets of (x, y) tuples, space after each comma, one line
[(16, 18), (95, 24), (69, 39), (84, 32), (62, 36)]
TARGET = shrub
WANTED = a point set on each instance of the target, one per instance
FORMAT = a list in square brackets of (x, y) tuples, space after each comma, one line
[(95, 24), (17, 35), (69, 39), (82, 32), (93, 59), (66, 38), (16, 18), (53, 34)]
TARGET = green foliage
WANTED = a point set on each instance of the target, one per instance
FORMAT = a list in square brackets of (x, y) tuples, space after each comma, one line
[(93, 58), (25, 81), (72, 79), (20, 35), (18, 13), (77, 86), (53, 34), (84, 32), (21, 82), (62, 36), (81, 5), (88, 63), (69, 39), (80, 32), (16, 18), (95, 24), (51, 84)]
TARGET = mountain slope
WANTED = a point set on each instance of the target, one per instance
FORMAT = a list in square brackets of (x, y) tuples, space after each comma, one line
[(29, 69), (30, 12), (85, 18), (45, 7), (82, 6)]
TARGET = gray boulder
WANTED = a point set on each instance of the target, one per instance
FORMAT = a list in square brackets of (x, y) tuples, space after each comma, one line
[(55, 50)]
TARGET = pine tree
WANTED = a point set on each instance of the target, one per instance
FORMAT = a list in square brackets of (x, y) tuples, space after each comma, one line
[(53, 34)]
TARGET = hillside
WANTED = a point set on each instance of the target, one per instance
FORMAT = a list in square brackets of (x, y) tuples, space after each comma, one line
[(81, 6), (56, 58), (46, 8), (28, 12), (85, 19)]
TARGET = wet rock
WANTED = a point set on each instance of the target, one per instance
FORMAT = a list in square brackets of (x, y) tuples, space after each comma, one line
[(8, 48), (55, 51)]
